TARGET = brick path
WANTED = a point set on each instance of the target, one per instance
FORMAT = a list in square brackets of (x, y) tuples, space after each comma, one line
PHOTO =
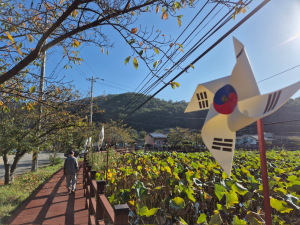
[(51, 204)]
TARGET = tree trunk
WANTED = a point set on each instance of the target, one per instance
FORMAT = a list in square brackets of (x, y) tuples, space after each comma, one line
[(6, 167), (15, 165)]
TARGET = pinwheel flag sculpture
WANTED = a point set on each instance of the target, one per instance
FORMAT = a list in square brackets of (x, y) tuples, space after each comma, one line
[(101, 136), (233, 103)]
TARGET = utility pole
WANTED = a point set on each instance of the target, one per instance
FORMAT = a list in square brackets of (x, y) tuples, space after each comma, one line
[(34, 164), (91, 106)]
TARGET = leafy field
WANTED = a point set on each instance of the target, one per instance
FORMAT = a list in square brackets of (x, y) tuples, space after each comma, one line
[(168, 188)]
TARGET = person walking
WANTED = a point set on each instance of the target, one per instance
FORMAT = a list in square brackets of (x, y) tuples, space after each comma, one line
[(70, 170)]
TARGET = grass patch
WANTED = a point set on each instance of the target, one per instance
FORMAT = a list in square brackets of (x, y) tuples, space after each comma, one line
[(12, 196)]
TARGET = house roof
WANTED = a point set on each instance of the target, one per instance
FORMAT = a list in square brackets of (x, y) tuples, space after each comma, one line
[(158, 135)]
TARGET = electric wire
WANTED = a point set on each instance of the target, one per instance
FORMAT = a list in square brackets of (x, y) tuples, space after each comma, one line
[(166, 53), (199, 57), (151, 87)]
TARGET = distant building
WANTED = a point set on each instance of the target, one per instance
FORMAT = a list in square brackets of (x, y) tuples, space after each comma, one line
[(158, 139), (248, 140)]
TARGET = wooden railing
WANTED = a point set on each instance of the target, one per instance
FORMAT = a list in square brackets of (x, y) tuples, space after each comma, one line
[(99, 208)]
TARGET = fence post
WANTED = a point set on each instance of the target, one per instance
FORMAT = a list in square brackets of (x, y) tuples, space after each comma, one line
[(84, 176), (121, 214), (100, 191), (93, 177), (87, 194)]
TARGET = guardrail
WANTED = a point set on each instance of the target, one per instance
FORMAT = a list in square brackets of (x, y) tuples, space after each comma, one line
[(99, 208)]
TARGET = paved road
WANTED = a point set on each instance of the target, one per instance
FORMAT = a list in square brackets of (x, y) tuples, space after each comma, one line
[(25, 162)]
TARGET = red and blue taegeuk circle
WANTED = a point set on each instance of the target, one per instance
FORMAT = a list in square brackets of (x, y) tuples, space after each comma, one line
[(225, 100)]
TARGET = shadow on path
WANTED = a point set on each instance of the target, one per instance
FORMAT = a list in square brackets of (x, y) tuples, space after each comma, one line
[(51, 204)]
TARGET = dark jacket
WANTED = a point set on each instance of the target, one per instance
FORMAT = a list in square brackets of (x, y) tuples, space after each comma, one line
[(71, 165)]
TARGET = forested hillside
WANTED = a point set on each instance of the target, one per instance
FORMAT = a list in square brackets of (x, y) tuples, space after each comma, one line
[(159, 114)]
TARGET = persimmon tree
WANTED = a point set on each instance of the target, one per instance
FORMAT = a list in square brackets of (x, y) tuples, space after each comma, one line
[(24, 129), (71, 23)]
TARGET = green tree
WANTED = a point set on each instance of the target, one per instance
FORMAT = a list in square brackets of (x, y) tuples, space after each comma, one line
[(142, 134)]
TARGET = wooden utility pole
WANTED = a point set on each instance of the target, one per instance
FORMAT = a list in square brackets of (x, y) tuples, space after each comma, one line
[(34, 164), (91, 104)]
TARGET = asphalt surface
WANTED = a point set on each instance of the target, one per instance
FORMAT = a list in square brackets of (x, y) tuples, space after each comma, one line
[(25, 162)]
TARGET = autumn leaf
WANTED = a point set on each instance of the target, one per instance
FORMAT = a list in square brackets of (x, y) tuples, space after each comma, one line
[(134, 30), (179, 21), (180, 45), (135, 63), (155, 63), (166, 16), (171, 45), (181, 49), (156, 51), (157, 9), (102, 50), (141, 43), (127, 60), (192, 66), (13, 42)]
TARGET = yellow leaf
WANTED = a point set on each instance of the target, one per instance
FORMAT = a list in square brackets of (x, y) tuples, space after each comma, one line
[(172, 84), (134, 30), (156, 51), (192, 66), (177, 84), (179, 21), (181, 49), (135, 63), (13, 42), (244, 10)]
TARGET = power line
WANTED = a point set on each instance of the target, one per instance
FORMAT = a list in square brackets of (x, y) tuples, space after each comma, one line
[(203, 54), (133, 99), (279, 73), (151, 87)]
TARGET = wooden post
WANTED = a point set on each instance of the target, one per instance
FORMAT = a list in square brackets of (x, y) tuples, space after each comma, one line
[(100, 191), (121, 214), (93, 177), (264, 171)]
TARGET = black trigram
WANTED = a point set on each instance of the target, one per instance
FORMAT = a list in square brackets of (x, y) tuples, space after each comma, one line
[(272, 101), (222, 145), (202, 98)]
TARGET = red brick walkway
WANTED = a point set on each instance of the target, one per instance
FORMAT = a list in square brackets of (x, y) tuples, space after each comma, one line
[(52, 204)]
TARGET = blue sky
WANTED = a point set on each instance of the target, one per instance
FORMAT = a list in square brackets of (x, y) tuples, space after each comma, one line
[(271, 38)]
